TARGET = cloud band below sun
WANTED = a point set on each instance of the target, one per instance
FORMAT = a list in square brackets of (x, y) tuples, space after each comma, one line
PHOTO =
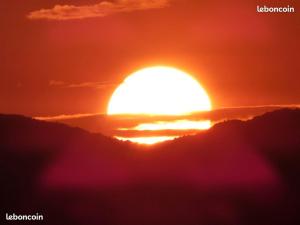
[(104, 8), (156, 128)]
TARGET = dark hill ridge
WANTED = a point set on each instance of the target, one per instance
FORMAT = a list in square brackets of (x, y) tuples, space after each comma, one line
[(235, 173), (19, 131), (273, 128)]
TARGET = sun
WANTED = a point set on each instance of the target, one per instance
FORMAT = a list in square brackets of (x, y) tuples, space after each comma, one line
[(159, 90)]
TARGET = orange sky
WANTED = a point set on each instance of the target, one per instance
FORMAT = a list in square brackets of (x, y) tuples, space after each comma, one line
[(66, 65)]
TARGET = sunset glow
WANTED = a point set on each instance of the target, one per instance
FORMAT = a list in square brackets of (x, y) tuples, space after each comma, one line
[(147, 140), (150, 112), (175, 125)]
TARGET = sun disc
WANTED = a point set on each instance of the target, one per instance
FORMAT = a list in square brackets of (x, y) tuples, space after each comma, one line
[(159, 91)]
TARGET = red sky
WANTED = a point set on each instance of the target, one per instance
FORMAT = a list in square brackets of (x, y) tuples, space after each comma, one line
[(65, 65)]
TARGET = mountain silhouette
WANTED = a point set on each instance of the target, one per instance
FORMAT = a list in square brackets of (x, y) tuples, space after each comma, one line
[(237, 172)]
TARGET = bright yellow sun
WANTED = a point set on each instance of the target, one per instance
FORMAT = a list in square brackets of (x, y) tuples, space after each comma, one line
[(159, 90)]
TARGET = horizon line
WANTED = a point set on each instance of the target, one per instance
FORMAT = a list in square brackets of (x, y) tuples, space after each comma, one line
[(82, 115)]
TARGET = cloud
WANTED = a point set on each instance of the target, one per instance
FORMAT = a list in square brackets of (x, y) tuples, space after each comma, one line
[(96, 85), (65, 117), (216, 115), (104, 8), (56, 83), (110, 124)]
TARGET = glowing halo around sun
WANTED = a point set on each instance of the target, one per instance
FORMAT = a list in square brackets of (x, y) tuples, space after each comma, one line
[(159, 90), (162, 91)]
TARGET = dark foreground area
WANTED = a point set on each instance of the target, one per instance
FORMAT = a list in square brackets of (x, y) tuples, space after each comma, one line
[(237, 173)]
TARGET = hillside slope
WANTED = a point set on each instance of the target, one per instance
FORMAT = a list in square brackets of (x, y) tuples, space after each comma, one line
[(235, 173)]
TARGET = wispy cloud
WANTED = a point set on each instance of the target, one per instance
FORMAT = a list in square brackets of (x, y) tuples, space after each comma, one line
[(145, 126), (56, 83), (96, 85), (65, 117), (216, 115), (104, 8)]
